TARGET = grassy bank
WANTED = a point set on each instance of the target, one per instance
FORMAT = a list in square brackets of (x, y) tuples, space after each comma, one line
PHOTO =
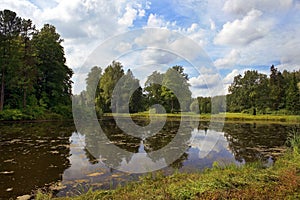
[(243, 117), (251, 181)]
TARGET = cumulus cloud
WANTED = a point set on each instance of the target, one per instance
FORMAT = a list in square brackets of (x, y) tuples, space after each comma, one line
[(157, 21), (242, 7), (24, 9), (229, 78), (229, 60), (242, 32), (129, 16), (207, 85)]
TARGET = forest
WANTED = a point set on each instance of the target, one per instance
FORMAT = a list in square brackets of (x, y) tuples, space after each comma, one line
[(36, 83), (252, 93), (34, 79)]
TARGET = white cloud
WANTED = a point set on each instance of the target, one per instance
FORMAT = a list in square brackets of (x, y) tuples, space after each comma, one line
[(229, 60), (229, 78), (157, 21), (129, 16), (241, 7), (24, 9), (123, 47), (233, 32), (242, 32), (194, 32), (212, 25), (207, 85)]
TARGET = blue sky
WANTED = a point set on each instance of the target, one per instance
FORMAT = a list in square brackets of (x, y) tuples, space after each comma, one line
[(236, 35)]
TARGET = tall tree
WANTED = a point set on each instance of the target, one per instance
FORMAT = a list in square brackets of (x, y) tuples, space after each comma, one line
[(248, 91), (176, 89), (108, 81), (10, 26), (276, 89), (54, 77), (293, 96), (128, 94), (153, 88), (92, 82), (27, 70)]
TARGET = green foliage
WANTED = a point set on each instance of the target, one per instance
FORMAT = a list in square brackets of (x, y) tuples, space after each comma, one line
[(107, 83), (255, 93), (293, 96), (35, 112), (33, 74), (194, 107), (293, 140), (12, 114), (277, 89), (63, 110)]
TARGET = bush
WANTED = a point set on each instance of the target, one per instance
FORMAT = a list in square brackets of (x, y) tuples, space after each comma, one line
[(63, 110), (35, 112), (13, 114)]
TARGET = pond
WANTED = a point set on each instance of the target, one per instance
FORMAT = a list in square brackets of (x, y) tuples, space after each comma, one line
[(54, 155)]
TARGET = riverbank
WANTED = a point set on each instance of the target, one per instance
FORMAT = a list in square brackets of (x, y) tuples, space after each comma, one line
[(250, 181), (228, 117)]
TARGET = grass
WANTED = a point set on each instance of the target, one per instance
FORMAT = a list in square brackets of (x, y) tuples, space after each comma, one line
[(251, 181), (236, 117)]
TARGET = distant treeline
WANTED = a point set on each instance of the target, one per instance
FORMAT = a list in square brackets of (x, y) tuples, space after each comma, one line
[(252, 93), (256, 92), (130, 96), (34, 79)]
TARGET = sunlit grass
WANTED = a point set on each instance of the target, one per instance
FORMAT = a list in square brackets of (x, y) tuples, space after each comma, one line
[(217, 117)]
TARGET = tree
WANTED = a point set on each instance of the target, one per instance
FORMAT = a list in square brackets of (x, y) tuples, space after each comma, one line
[(108, 81), (27, 70), (10, 26), (128, 94), (153, 88), (176, 90), (204, 104), (277, 89), (248, 92), (293, 96), (54, 77), (92, 82), (194, 107)]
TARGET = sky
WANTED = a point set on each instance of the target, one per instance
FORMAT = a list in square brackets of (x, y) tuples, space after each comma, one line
[(232, 36)]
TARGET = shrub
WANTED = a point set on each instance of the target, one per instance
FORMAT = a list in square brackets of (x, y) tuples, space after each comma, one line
[(63, 110), (12, 114)]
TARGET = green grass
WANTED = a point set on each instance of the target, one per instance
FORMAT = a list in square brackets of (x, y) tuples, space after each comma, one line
[(251, 181), (236, 117)]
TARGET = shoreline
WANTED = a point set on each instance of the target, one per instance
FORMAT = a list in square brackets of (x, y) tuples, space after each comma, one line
[(249, 181)]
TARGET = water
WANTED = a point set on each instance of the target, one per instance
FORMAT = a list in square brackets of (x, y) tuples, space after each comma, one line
[(53, 154)]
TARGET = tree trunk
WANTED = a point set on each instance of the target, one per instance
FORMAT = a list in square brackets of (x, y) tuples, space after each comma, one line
[(2, 91), (24, 98)]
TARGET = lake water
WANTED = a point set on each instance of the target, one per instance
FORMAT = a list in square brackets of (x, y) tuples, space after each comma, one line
[(54, 154)]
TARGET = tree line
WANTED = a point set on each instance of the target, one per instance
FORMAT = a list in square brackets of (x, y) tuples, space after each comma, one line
[(34, 78), (169, 89), (256, 92), (252, 93)]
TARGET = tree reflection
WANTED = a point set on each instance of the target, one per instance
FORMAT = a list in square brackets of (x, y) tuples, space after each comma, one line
[(100, 145), (36, 154), (251, 142)]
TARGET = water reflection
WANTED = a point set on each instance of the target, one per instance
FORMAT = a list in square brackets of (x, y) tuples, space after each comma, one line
[(251, 142), (32, 155), (37, 154)]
